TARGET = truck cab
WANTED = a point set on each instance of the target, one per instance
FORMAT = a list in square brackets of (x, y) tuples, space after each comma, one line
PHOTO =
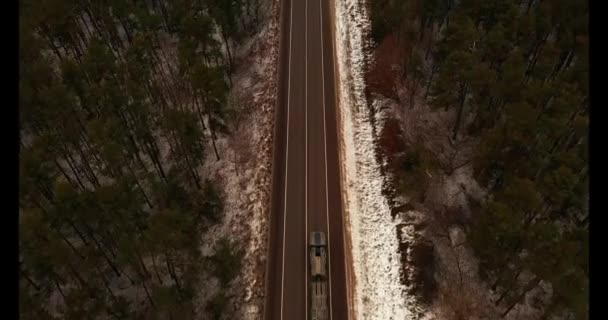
[(318, 255)]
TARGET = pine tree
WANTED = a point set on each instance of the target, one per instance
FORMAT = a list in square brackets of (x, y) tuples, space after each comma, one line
[(520, 72)]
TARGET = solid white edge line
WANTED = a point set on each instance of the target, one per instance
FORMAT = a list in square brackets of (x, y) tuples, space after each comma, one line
[(306, 160), (325, 150), (286, 156)]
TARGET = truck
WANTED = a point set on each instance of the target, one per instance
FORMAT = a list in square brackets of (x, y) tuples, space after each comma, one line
[(318, 276)]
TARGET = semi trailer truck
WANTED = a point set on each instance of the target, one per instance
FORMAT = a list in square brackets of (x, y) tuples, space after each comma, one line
[(318, 276)]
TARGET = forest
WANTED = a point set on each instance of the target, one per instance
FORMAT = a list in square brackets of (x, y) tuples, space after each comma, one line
[(120, 103), (515, 76)]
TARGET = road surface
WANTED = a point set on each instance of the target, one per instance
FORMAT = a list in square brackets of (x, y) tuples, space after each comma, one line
[(306, 177)]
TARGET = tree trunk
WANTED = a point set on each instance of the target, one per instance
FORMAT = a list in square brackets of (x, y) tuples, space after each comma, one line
[(248, 10), (530, 2), (78, 232), (140, 260), (106, 283), (81, 36), (54, 48), (95, 23), (243, 24), (568, 62), (58, 286), (564, 56), (139, 186), (540, 212), (256, 12), (202, 148), (217, 155), (105, 256), (76, 46), (165, 16), (171, 270), (68, 159), (170, 88), (428, 48), (531, 285), (148, 294), (412, 95), (156, 158), (184, 154), (69, 243), (197, 106), (90, 148), (428, 85), (421, 28), (114, 38), (463, 95), (90, 173), (194, 174), (535, 54), (509, 287), (125, 27), (211, 131), (30, 281), (76, 275), (136, 152), (155, 267), (234, 161), (65, 174), (230, 60), (85, 26), (499, 112), (155, 98), (46, 191), (109, 240)]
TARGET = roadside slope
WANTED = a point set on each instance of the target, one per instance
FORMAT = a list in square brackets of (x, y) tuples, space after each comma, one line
[(377, 289)]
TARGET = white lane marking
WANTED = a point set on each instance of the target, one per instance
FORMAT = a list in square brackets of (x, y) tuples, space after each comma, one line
[(306, 159), (325, 150), (286, 156)]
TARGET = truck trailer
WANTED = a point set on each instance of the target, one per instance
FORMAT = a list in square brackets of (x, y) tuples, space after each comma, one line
[(318, 276)]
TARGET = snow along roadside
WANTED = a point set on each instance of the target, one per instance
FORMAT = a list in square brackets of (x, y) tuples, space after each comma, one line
[(378, 292)]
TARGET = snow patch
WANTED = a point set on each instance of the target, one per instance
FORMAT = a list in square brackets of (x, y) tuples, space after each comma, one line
[(378, 292)]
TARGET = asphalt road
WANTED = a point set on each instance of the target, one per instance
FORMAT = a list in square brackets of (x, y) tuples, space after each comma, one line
[(306, 177)]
